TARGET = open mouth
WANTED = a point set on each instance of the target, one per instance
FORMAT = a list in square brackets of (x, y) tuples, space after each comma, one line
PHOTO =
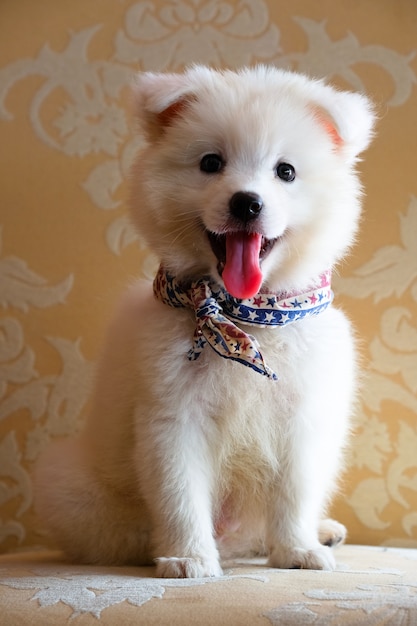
[(239, 255)]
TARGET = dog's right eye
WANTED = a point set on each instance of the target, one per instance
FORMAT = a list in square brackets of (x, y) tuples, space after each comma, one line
[(211, 163)]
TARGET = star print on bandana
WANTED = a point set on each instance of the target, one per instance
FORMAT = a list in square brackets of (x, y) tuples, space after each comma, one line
[(215, 309)]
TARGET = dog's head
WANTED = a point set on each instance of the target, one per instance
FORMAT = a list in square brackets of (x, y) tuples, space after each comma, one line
[(248, 176)]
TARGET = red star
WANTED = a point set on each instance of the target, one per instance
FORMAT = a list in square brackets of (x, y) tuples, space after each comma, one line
[(258, 301)]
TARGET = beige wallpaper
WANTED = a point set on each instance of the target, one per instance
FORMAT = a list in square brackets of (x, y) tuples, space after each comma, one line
[(67, 251)]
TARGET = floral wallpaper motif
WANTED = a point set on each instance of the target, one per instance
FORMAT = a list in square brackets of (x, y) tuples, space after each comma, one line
[(389, 454), (67, 250)]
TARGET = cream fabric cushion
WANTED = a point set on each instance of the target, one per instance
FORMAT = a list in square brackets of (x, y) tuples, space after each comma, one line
[(372, 585)]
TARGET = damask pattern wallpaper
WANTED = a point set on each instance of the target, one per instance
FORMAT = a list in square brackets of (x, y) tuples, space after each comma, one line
[(67, 250)]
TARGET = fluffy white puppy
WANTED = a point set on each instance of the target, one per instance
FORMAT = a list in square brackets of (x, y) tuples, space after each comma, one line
[(247, 192)]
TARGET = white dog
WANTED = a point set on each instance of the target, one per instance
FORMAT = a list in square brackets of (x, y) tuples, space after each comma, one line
[(248, 194)]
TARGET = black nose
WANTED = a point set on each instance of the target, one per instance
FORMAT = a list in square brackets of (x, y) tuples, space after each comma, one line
[(245, 205)]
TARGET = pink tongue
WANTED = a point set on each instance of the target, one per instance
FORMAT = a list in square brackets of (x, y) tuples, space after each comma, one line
[(242, 275)]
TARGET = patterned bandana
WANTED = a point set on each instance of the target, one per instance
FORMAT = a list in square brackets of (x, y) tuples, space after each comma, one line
[(215, 309)]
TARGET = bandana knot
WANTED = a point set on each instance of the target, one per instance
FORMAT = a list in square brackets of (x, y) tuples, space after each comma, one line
[(215, 309)]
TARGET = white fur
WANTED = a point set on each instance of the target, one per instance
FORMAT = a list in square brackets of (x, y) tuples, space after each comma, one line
[(180, 460)]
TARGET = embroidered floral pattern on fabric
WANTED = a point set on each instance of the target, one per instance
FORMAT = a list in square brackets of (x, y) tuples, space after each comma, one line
[(370, 587), (368, 605), (214, 308), (93, 593)]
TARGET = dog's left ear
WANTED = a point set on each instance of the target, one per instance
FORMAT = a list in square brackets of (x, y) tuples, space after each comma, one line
[(159, 99), (347, 117)]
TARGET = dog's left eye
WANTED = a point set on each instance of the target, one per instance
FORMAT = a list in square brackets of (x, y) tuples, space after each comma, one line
[(211, 163), (285, 172)]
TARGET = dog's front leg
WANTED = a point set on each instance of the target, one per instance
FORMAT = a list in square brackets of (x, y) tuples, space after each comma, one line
[(296, 508), (293, 537), (175, 472)]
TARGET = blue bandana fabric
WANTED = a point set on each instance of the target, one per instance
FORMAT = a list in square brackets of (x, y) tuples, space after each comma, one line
[(216, 310)]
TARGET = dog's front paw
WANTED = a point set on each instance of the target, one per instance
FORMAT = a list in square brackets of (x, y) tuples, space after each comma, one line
[(301, 558), (187, 567)]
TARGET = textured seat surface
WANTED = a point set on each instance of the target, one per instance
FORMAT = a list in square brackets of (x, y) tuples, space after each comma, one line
[(372, 585)]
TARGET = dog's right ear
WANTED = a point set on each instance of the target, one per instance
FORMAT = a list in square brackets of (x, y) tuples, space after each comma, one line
[(159, 99)]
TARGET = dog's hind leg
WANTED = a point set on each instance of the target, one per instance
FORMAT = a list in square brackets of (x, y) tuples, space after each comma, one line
[(88, 521), (331, 533)]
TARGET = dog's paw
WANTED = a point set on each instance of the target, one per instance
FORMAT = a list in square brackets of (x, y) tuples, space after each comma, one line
[(331, 533), (320, 558), (187, 567)]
